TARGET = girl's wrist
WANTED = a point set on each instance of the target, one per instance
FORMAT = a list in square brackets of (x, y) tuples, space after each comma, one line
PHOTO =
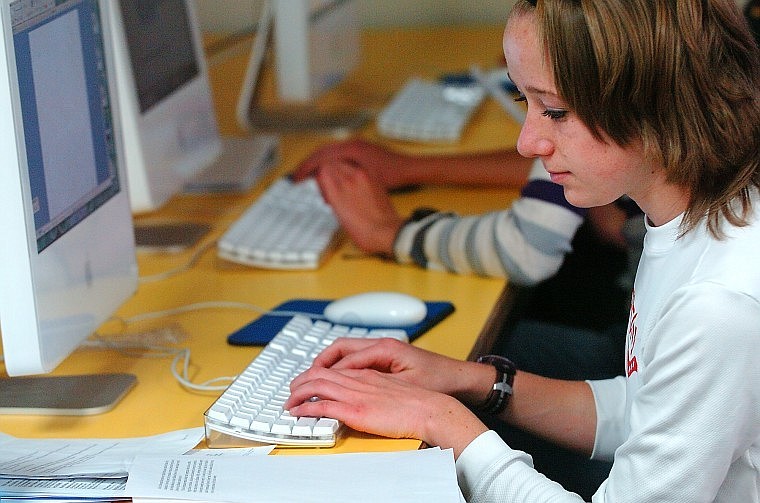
[(480, 383), (451, 425)]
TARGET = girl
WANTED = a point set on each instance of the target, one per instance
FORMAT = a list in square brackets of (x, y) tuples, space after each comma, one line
[(656, 100)]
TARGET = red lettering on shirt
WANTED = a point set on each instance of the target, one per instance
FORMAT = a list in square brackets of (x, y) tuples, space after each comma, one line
[(632, 366), (630, 359)]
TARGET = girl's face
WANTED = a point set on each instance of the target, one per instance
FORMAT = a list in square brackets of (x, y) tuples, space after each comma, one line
[(592, 172)]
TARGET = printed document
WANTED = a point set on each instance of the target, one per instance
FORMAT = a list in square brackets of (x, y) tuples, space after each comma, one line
[(401, 477)]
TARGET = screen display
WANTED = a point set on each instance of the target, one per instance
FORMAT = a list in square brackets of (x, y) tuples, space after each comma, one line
[(66, 112), (160, 47)]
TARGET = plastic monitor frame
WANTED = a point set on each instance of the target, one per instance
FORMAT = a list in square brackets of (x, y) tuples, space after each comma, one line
[(304, 31), (172, 135), (55, 292), (172, 139)]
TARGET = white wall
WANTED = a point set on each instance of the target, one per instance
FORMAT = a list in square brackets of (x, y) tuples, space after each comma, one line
[(234, 15)]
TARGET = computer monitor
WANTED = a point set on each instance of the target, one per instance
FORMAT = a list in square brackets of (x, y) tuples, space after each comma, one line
[(171, 135), (316, 44), (67, 255), (170, 128)]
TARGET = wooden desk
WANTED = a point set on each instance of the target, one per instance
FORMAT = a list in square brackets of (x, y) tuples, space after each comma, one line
[(158, 403)]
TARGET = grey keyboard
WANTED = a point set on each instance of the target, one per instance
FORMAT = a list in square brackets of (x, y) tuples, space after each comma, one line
[(250, 410), (289, 227), (429, 111)]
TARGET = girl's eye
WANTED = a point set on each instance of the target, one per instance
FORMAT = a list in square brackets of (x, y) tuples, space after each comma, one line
[(554, 114)]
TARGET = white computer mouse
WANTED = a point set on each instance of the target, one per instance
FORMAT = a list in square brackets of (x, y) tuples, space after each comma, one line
[(377, 309)]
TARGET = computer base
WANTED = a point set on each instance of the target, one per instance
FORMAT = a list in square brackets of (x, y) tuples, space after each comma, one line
[(168, 237), (72, 395), (242, 163)]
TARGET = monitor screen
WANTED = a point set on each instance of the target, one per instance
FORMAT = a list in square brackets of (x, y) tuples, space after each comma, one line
[(170, 128), (69, 179), (161, 63), (67, 258)]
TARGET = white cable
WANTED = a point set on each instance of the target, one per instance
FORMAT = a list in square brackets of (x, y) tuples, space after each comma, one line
[(214, 305), (183, 354), (164, 352), (184, 267), (184, 378)]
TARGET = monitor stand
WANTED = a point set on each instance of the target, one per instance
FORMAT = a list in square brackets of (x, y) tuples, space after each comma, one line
[(242, 163), (288, 119), (73, 395)]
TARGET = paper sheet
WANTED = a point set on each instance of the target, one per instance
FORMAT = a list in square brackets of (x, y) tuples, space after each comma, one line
[(408, 476), (46, 458), (88, 470)]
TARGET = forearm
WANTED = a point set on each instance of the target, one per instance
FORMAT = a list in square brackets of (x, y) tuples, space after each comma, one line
[(526, 243), (502, 168), (560, 411)]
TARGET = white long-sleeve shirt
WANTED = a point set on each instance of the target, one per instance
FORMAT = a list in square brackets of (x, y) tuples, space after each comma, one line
[(683, 424)]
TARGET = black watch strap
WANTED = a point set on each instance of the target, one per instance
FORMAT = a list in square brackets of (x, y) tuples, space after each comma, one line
[(501, 391)]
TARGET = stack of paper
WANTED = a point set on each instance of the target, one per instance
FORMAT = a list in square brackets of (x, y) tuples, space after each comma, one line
[(75, 470), (166, 468)]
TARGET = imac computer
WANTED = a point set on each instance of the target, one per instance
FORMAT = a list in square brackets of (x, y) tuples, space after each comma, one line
[(67, 256), (170, 130), (315, 45), (171, 136)]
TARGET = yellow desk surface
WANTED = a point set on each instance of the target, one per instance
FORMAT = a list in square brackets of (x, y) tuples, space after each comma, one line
[(158, 403)]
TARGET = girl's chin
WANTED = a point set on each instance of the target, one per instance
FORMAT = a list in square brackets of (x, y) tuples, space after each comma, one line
[(583, 199)]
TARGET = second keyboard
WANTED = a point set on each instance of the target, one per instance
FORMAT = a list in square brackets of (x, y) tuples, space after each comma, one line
[(289, 227), (429, 111)]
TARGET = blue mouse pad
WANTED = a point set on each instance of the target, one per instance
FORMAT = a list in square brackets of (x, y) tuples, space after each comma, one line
[(261, 330)]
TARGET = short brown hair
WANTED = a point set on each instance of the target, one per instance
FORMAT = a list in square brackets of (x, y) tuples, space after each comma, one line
[(682, 76)]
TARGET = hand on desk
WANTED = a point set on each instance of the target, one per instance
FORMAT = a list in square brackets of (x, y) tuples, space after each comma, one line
[(390, 388), (361, 205), (384, 166), (355, 176), (351, 180)]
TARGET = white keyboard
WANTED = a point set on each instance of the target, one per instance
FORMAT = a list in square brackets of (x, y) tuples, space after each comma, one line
[(289, 227), (429, 111), (250, 410)]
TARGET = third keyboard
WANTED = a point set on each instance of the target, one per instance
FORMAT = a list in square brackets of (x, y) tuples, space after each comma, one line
[(289, 227)]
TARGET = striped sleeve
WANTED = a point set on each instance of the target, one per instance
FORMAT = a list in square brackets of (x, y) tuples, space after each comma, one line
[(526, 242)]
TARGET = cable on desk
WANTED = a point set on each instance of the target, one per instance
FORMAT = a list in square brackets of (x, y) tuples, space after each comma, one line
[(185, 267), (219, 304), (178, 354), (181, 355)]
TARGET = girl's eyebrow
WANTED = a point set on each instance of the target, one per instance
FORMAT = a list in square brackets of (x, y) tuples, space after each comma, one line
[(536, 90)]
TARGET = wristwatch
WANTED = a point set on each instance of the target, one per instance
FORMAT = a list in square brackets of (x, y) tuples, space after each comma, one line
[(498, 398)]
